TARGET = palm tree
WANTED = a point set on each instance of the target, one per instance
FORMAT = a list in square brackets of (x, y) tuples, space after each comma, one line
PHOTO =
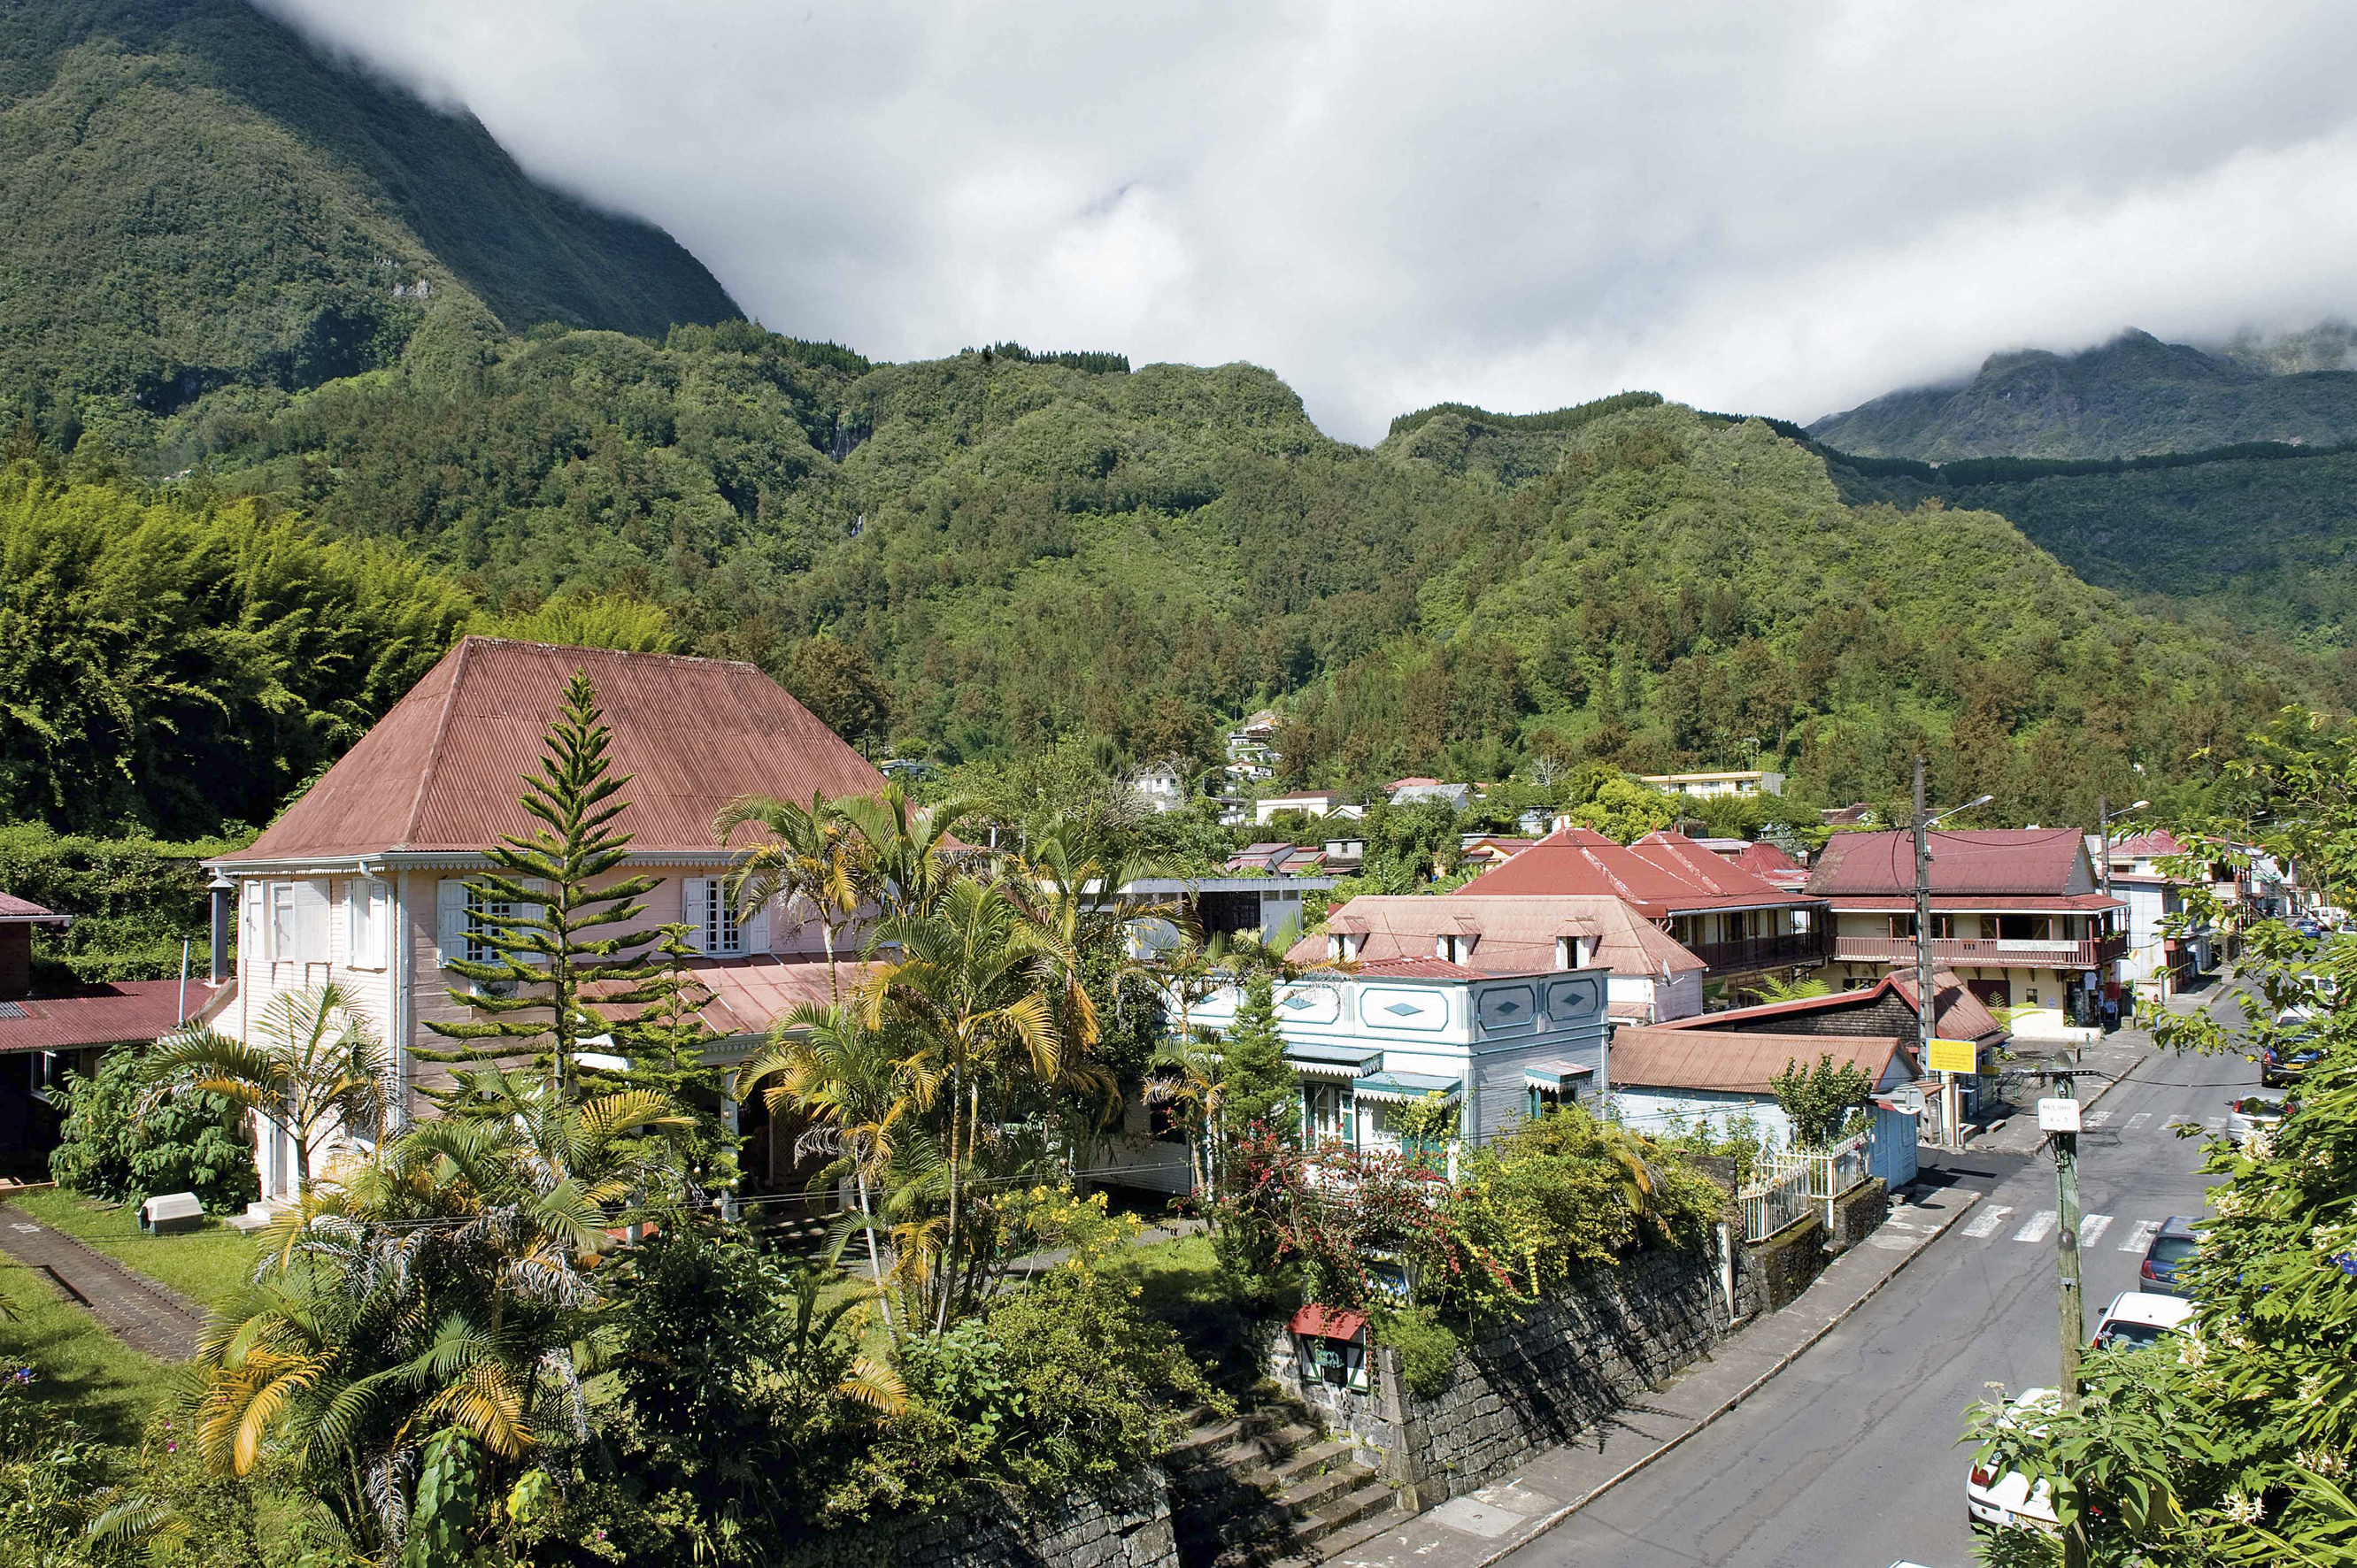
[(315, 1066), (1191, 1083), (972, 982), (845, 1075), (1771, 988), (811, 856), (906, 862)]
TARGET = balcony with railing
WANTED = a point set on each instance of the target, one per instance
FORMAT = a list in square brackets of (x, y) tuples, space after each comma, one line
[(1745, 954), (1987, 953)]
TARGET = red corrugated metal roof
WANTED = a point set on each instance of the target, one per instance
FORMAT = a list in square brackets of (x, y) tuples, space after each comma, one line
[(127, 1012), (1316, 1322), (747, 995), (1957, 1013), (1661, 874), (2156, 843), (443, 769), (1655, 1056), (1985, 903), (2049, 861), (1418, 969), (14, 908)]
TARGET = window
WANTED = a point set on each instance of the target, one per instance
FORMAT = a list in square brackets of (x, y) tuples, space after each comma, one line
[(292, 918), (463, 916), (368, 905), (711, 916), (283, 941), (1330, 1111)]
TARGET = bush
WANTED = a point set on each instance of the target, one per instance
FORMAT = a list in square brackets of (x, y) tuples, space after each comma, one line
[(192, 1142), (1427, 1348)]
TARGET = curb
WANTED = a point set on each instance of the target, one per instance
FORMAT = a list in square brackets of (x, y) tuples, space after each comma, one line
[(1549, 1522)]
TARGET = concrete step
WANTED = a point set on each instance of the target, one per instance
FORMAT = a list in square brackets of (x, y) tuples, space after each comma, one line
[(1359, 1514), (1263, 1450), (1199, 1445), (1329, 1454)]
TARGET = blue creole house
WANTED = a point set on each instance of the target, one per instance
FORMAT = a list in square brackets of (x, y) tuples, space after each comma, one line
[(1368, 1039)]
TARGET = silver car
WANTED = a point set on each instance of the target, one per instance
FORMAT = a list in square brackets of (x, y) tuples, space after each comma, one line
[(2252, 1118)]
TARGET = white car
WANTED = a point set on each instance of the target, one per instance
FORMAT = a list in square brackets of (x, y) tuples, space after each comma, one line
[(2137, 1318), (2252, 1117), (2001, 1496)]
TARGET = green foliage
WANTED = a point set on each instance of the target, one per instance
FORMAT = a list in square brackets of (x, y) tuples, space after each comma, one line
[(1427, 1348), (200, 199), (1822, 1101), (192, 1141), (589, 620), (175, 669), (1259, 1089), (133, 902), (1093, 363), (443, 1516), (834, 680)]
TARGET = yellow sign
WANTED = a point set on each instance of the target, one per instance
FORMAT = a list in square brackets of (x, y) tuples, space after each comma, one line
[(1953, 1056)]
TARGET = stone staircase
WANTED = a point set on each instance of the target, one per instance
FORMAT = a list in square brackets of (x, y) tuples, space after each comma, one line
[(1265, 1486)]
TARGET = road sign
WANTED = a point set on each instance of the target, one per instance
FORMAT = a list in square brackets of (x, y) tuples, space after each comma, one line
[(1954, 1055), (2058, 1116)]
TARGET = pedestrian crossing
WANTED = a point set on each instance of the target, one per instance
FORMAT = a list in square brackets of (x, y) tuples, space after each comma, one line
[(1996, 1222)]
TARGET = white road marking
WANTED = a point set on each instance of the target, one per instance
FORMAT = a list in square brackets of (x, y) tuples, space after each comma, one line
[(1986, 1225), (2041, 1224), (2213, 1125), (2141, 1237), (2091, 1228), (2096, 1118), (2139, 1121)]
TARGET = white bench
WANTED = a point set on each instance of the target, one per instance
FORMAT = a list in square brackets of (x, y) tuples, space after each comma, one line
[(171, 1211)]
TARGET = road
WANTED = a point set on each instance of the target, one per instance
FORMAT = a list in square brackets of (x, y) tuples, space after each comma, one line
[(1849, 1458)]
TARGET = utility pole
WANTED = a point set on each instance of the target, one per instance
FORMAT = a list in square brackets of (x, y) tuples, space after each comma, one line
[(2063, 1131), (1926, 1001)]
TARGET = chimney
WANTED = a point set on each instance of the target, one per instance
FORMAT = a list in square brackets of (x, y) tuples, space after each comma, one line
[(224, 891), (15, 960)]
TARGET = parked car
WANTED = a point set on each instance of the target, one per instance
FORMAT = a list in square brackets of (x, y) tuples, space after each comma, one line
[(2138, 1318), (2284, 1064), (2254, 1116), (1999, 1496), (2173, 1246)]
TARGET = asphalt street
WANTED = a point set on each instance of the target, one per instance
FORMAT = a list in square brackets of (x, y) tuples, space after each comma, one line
[(1849, 1459)]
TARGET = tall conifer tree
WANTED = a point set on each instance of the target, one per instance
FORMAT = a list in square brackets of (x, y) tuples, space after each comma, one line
[(1260, 1088)]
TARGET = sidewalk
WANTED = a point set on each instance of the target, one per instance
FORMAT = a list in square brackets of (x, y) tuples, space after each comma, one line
[(136, 1310), (1483, 1526)]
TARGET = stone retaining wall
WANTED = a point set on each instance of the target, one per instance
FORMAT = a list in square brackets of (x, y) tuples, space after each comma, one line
[(1857, 1212), (1769, 1274), (1125, 1525), (1530, 1385)]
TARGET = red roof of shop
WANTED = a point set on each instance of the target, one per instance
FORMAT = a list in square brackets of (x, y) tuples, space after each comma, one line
[(2049, 861), (1660, 874), (443, 769)]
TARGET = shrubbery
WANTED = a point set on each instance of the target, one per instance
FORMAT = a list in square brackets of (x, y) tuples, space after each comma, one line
[(192, 1141)]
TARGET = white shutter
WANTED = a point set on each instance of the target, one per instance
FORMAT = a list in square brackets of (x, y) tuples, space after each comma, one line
[(450, 918), (249, 938), (757, 928), (364, 922), (696, 908), (311, 920)]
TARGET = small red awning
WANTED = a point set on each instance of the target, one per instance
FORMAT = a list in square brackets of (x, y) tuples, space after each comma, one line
[(1328, 1322)]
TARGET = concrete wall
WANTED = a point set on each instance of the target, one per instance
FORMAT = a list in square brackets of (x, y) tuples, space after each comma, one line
[(1856, 1213), (1770, 1274), (1530, 1385), (1125, 1525)]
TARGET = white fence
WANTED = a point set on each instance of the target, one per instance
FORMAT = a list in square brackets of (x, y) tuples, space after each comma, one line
[(1789, 1180)]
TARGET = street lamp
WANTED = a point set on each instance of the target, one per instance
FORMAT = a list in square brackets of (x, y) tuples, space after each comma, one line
[(2104, 816), (1951, 1106)]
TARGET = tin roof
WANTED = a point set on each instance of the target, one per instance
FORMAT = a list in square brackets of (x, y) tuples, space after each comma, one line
[(443, 769), (16, 909), (127, 1012), (1513, 935), (1661, 874), (2046, 861), (1654, 1056)]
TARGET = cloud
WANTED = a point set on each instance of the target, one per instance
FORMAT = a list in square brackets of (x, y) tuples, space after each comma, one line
[(1777, 209)]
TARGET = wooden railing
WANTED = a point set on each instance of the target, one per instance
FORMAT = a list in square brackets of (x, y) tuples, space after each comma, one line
[(1996, 953), (1747, 953)]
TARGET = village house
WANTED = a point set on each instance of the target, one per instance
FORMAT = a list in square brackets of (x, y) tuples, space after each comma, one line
[(1308, 802), (1408, 791), (362, 880), (62, 1030), (1649, 975), (1161, 787), (1724, 781), (1249, 757), (1716, 1067), (1371, 1038), (1279, 859), (2156, 959), (2016, 912), (1737, 924)]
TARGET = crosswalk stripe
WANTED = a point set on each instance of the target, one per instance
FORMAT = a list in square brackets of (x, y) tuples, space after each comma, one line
[(2213, 1124), (2141, 1237), (2041, 1224), (2139, 1120), (1985, 1225), (2098, 1118), (2091, 1228)]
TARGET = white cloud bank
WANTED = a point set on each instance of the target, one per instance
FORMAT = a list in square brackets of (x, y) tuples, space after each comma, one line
[(1778, 209)]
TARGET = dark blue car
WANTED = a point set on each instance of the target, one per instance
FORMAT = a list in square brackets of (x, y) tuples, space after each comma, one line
[(2172, 1247)]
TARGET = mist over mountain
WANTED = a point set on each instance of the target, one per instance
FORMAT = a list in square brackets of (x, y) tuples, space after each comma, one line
[(2131, 397)]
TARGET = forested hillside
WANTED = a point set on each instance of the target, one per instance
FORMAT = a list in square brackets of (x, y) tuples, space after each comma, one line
[(2129, 397), (965, 558), (2260, 541), (191, 199)]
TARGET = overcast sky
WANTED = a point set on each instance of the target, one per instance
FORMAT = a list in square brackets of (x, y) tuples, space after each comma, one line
[(1780, 208)]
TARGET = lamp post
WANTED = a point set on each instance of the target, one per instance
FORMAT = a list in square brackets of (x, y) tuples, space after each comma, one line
[(2103, 839), (1952, 1099)]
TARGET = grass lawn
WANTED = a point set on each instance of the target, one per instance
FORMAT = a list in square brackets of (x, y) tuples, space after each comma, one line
[(1179, 1283), (82, 1372), (206, 1265)]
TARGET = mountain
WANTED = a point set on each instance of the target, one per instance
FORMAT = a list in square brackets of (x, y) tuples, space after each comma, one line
[(2133, 396), (191, 198)]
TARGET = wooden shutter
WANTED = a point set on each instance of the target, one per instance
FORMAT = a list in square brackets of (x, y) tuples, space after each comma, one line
[(311, 920), (250, 942), (757, 928), (696, 908), (365, 906), (450, 919)]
